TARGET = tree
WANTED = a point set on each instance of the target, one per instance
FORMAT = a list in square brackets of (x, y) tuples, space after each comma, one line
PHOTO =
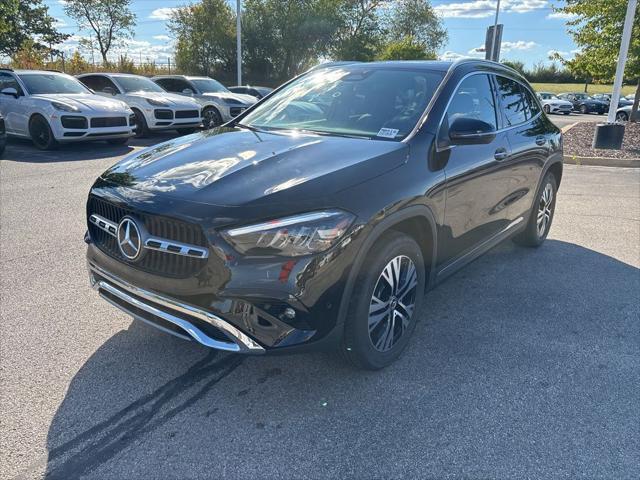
[(517, 65), (406, 48), (27, 22), (416, 20), (205, 38), (111, 21), (360, 32), (282, 39), (597, 30)]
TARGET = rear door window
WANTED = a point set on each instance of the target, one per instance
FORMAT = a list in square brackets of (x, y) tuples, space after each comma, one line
[(512, 100)]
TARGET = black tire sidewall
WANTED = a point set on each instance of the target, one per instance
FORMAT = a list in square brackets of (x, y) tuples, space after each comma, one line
[(357, 345), (529, 237), (141, 124), (584, 109), (42, 146)]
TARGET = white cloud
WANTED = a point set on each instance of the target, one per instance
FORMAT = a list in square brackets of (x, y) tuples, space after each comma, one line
[(60, 23), (562, 16), (449, 56), (487, 8), (164, 38), (163, 13), (507, 47)]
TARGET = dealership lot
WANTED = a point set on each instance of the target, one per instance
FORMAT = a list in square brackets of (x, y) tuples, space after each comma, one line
[(525, 364)]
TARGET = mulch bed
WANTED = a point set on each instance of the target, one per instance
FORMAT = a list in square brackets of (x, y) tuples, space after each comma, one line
[(578, 141)]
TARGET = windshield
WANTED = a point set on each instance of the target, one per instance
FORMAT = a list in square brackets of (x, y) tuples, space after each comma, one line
[(138, 84), (209, 85), (382, 103), (47, 83)]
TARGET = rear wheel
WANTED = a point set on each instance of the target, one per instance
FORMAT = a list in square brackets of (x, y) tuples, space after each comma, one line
[(41, 134), (584, 109), (541, 215), (383, 310), (142, 129)]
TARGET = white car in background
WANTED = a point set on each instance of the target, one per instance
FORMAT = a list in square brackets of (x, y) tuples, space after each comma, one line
[(553, 104), (219, 105), (623, 114), (154, 108), (52, 107)]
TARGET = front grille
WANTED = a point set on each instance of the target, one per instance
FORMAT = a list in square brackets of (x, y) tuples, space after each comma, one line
[(161, 263), (69, 121), (163, 114), (187, 114), (102, 122)]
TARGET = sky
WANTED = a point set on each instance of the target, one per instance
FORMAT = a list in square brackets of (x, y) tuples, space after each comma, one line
[(532, 30)]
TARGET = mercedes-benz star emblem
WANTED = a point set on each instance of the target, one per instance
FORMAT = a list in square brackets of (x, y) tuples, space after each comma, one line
[(129, 238)]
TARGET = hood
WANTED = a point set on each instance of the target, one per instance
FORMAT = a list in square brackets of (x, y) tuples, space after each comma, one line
[(87, 102), (245, 99), (234, 167), (170, 98)]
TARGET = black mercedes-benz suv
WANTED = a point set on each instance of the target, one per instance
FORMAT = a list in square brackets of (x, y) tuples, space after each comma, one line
[(321, 215)]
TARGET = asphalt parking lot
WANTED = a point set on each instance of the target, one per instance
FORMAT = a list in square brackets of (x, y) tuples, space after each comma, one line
[(564, 120), (526, 364)]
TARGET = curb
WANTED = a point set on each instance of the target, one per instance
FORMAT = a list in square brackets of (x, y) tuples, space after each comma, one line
[(602, 161)]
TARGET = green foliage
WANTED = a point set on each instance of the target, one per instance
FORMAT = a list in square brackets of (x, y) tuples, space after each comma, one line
[(205, 34), (360, 33), (416, 21), (26, 22), (597, 30), (405, 49), (110, 20), (517, 65)]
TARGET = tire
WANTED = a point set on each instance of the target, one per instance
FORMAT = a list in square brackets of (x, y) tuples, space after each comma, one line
[(118, 141), (41, 134), (546, 109), (584, 109), (390, 333), (142, 129), (535, 234), (185, 131), (211, 118), (622, 117)]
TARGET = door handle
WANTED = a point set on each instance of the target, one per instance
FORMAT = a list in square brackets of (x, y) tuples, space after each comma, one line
[(500, 154), (540, 140)]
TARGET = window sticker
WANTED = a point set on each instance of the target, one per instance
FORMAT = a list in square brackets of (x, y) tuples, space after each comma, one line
[(388, 132)]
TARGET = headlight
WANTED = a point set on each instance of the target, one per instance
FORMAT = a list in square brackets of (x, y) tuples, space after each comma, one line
[(157, 103), (291, 236), (63, 107), (232, 101)]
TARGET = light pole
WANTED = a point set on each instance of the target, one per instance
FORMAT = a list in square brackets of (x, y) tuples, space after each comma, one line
[(239, 40), (495, 32)]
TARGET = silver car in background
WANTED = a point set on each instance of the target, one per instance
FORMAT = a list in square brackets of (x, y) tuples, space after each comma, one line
[(154, 108), (219, 105), (52, 107)]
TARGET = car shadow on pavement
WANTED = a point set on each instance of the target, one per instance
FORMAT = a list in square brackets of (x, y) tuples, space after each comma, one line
[(22, 150), (525, 364)]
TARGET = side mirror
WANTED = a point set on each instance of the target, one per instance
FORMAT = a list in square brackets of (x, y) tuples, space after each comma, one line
[(10, 91), (467, 130), (109, 90)]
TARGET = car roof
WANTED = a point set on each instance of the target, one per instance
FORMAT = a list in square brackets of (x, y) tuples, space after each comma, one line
[(112, 74), (188, 77), (43, 72)]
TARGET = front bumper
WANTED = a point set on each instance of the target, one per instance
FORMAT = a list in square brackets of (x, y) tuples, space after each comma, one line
[(72, 127), (561, 108), (165, 118), (180, 319)]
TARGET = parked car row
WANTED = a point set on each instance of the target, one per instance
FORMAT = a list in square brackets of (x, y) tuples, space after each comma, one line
[(51, 107)]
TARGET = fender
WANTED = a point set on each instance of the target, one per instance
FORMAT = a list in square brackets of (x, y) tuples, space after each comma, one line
[(378, 230), (545, 169)]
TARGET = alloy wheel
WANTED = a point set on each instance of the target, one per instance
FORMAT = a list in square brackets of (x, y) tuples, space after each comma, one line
[(211, 118), (40, 133), (544, 209), (392, 303), (621, 117)]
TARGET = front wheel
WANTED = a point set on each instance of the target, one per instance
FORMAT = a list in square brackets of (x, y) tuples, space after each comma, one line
[(384, 307), (584, 109), (547, 109), (211, 118), (621, 117), (41, 134), (142, 129), (541, 215)]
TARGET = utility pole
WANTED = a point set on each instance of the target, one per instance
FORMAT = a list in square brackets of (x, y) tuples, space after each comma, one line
[(494, 53), (239, 39)]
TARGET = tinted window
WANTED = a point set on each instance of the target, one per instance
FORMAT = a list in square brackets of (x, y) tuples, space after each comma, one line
[(7, 81), (208, 85), (137, 84), (43, 83), (513, 101), (98, 83), (473, 99), (532, 106), (175, 85), (355, 101)]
